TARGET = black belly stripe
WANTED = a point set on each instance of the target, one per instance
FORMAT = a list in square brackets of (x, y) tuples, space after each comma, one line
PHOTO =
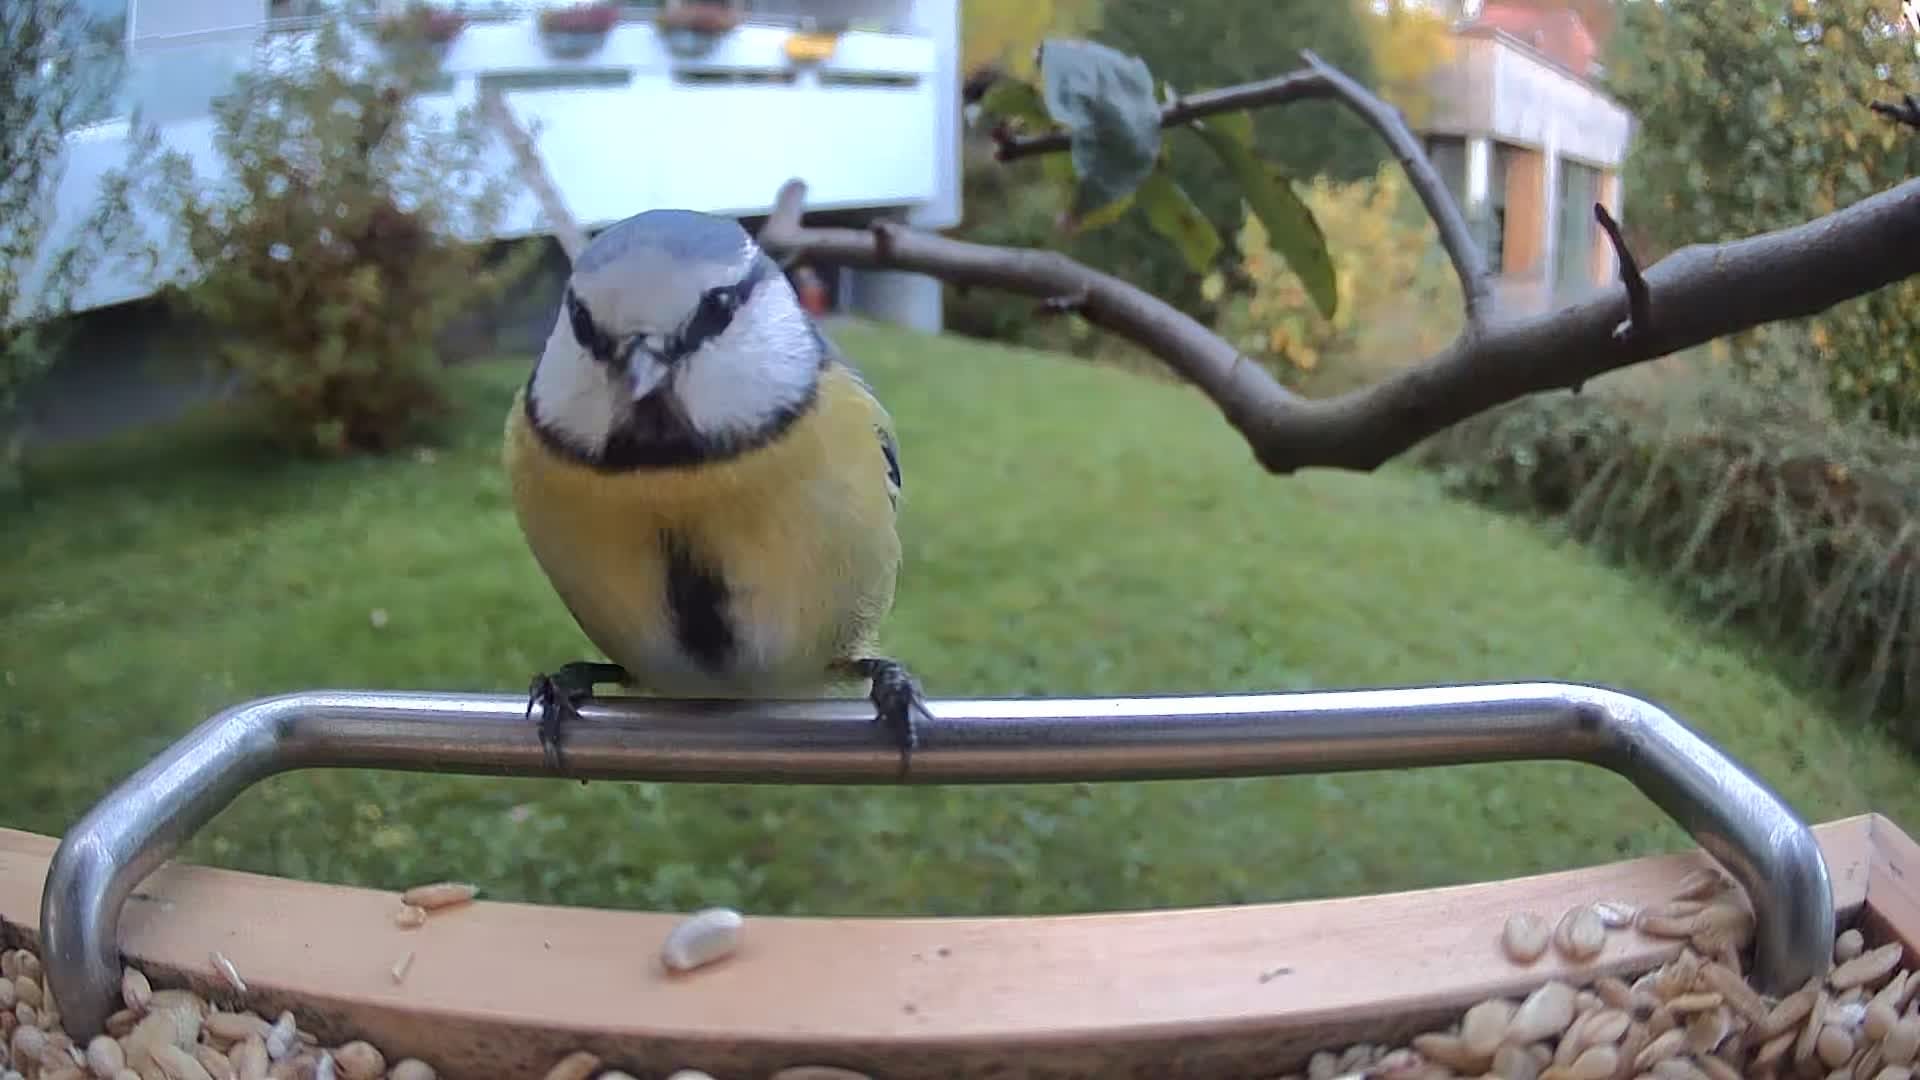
[(697, 602)]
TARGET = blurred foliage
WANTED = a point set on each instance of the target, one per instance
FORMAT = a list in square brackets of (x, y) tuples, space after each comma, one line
[(1108, 104), (1761, 508), (336, 249), (1400, 299), (1205, 177), (54, 77), (1754, 117), (1005, 33), (1202, 46), (1407, 44)]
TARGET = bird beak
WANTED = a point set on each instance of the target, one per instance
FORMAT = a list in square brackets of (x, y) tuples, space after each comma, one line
[(647, 370)]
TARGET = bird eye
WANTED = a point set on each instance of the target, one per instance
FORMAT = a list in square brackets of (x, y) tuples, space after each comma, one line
[(584, 331)]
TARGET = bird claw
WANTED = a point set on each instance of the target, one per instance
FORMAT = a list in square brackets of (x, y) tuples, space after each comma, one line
[(556, 710), (558, 696), (896, 697)]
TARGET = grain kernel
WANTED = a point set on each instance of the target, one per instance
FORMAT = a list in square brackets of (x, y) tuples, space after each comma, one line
[(1866, 969), (440, 894), (1834, 1046), (702, 938), (1544, 1014), (105, 1057), (135, 990), (1581, 934), (578, 1065), (1524, 937), (1484, 1026), (228, 973), (358, 1060)]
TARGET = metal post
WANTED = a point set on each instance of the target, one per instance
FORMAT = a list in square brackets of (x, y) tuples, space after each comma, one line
[(139, 825)]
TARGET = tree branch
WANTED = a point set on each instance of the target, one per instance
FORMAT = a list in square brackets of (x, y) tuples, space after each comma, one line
[(1279, 90), (1905, 111), (1321, 80), (1706, 291), (1639, 298)]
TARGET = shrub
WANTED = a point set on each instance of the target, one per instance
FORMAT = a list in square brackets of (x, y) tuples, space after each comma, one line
[(1752, 117), (1399, 298), (337, 247), (1762, 511)]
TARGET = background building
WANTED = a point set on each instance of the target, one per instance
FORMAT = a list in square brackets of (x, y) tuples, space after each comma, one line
[(1528, 141)]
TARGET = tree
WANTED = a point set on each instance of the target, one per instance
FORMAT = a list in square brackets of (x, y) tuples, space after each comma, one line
[(1750, 120), (1699, 293), (1408, 43), (1195, 47), (57, 72), (1004, 33)]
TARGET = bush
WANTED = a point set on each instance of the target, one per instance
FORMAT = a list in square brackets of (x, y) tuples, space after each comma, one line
[(336, 250), (1753, 117), (1399, 297), (1762, 511)]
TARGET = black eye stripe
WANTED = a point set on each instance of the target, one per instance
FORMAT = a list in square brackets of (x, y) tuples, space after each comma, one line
[(716, 310), (586, 332), (710, 318)]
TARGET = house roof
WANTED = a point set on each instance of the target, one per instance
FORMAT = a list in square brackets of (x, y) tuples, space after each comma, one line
[(1559, 34)]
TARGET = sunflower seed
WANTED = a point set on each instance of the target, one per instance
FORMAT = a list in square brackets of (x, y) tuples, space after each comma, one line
[(701, 938), (440, 894)]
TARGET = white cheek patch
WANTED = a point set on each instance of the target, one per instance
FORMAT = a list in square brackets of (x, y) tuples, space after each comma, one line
[(765, 362), (572, 394)]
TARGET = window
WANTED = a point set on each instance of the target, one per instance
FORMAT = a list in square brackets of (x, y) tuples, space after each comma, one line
[(1451, 159), (1492, 228), (1575, 230)]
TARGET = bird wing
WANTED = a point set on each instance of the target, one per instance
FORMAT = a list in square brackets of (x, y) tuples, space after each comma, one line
[(882, 422)]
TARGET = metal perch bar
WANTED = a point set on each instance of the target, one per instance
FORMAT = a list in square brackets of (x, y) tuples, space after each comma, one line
[(140, 824)]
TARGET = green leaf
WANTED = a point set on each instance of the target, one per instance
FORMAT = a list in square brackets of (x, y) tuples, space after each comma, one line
[(1173, 214), (1013, 99), (1291, 229), (1237, 125), (1103, 215), (1105, 99)]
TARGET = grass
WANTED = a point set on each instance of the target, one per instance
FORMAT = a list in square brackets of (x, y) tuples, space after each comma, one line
[(1069, 530)]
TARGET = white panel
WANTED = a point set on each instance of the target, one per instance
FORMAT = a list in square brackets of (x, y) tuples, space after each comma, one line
[(658, 140), (159, 19), (1536, 104)]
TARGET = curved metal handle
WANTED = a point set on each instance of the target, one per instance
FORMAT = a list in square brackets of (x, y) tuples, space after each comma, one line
[(141, 823)]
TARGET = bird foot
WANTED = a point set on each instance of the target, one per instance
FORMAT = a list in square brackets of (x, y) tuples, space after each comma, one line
[(896, 698), (558, 696)]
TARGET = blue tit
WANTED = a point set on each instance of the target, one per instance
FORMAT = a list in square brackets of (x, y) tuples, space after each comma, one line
[(708, 485)]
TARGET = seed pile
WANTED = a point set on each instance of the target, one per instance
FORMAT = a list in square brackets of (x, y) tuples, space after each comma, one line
[(1694, 1018), (170, 1035)]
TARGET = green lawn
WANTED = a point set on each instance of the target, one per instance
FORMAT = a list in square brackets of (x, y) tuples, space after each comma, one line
[(1069, 530)]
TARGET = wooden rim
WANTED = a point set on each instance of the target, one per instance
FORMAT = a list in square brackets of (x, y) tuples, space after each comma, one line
[(504, 989)]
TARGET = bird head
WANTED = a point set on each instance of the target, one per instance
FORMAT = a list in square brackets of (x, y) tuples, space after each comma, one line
[(677, 340)]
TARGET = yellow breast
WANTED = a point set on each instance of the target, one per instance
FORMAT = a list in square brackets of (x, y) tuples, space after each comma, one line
[(796, 538)]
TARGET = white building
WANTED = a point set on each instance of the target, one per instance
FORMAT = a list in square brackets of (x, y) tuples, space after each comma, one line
[(873, 127), (1528, 141)]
